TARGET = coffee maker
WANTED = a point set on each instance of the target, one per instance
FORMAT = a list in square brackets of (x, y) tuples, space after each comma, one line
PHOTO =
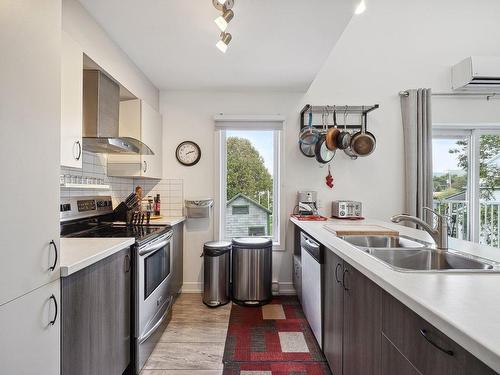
[(307, 203)]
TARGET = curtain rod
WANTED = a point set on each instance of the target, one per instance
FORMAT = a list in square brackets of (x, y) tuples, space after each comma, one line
[(487, 95)]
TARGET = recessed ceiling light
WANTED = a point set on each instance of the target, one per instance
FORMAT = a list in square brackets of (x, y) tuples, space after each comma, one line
[(360, 8), (225, 39), (223, 20)]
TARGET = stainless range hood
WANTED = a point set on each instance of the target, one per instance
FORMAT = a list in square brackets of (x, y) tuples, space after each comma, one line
[(101, 111)]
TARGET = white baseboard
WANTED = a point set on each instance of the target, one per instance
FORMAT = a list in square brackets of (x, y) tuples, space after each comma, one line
[(283, 288), (192, 287)]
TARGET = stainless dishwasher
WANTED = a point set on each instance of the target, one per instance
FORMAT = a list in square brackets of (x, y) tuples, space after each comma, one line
[(312, 284)]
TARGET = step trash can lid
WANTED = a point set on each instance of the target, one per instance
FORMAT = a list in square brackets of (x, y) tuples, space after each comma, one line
[(253, 242), (215, 248)]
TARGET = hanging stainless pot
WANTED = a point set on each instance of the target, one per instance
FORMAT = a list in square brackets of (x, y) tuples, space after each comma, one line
[(309, 135), (323, 154), (307, 139), (344, 138), (363, 143)]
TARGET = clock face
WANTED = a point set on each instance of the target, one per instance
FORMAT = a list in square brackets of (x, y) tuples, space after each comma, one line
[(188, 153)]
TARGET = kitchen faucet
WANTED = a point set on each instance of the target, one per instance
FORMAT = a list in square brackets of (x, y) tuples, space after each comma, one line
[(438, 233)]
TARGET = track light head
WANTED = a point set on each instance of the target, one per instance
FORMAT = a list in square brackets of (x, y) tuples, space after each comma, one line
[(223, 43)]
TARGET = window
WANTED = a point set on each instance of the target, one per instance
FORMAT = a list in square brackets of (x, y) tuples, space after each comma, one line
[(257, 231), (249, 182), (466, 179), (241, 210)]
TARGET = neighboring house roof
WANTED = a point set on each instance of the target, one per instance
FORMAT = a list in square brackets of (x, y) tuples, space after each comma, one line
[(493, 160), (250, 200), (460, 196)]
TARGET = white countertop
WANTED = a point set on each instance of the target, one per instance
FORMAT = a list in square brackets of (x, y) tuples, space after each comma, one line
[(465, 306), (78, 253), (169, 220)]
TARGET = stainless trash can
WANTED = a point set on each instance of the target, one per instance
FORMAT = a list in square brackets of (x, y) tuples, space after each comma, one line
[(216, 268), (252, 270)]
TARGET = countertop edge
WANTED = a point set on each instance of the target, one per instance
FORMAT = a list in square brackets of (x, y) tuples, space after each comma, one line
[(68, 270), (476, 348)]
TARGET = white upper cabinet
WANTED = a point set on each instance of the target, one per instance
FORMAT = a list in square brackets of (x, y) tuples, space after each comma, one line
[(139, 120), (71, 102), (30, 126)]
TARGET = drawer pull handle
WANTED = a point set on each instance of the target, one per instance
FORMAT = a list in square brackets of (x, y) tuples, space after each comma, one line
[(53, 244), (53, 321), (423, 332), (344, 279), (339, 266)]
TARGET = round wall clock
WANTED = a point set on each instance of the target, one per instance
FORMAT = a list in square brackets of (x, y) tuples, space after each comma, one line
[(188, 153)]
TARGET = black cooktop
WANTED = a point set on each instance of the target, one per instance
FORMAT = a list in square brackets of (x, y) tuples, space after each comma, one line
[(93, 229)]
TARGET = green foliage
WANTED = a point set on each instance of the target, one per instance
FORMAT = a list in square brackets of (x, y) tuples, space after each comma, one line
[(489, 174), (246, 172)]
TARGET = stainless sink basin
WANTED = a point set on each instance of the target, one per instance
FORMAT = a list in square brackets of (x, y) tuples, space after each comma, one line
[(407, 255), (425, 259), (382, 242)]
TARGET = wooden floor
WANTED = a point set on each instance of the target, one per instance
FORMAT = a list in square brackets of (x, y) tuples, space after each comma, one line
[(193, 342)]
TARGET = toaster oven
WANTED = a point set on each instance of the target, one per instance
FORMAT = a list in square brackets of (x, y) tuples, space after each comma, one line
[(346, 209)]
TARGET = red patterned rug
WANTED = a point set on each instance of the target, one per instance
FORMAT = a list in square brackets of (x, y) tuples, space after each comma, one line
[(274, 338)]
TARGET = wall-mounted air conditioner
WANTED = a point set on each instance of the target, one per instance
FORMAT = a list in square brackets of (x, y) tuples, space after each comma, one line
[(477, 73)]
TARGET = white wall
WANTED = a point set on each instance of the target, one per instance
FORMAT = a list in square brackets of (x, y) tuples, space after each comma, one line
[(99, 47), (394, 45), (189, 116)]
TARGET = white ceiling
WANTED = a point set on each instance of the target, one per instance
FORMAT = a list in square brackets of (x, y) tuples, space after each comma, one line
[(277, 44)]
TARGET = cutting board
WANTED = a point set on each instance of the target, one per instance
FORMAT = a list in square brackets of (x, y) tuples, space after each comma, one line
[(347, 229)]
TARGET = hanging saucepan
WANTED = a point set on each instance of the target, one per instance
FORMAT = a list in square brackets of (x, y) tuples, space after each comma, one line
[(309, 135), (323, 154), (332, 133), (307, 139), (363, 143), (344, 138)]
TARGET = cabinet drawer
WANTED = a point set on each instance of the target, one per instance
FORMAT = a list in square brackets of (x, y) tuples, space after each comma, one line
[(393, 362), (429, 350)]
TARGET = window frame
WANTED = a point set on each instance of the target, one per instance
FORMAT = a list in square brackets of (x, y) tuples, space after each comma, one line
[(473, 132), (221, 173), (246, 206)]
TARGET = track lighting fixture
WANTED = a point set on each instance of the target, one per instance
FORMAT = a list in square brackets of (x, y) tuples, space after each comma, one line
[(224, 6), (223, 43)]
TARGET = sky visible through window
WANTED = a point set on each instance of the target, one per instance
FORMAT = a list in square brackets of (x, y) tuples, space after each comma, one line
[(443, 161)]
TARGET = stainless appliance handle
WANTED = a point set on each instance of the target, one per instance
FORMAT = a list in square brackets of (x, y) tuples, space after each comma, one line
[(154, 246), (154, 328)]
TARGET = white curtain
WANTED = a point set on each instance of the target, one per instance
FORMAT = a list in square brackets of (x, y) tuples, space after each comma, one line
[(417, 129)]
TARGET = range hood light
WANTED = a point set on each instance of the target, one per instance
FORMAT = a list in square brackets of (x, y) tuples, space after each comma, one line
[(223, 20), (222, 44), (360, 8)]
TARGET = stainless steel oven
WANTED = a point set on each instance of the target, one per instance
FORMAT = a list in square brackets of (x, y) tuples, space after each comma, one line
[(153, 260)]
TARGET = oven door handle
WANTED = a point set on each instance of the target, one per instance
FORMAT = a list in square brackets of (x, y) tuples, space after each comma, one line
[(154, 328), (154, 247)]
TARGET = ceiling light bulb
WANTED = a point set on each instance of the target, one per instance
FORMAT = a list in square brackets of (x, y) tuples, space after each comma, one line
[(222, 2), (223, 20), (360, 8), (222, 44)]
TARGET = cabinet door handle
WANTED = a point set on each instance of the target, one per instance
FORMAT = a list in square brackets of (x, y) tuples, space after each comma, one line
[(424, 333), (127, 263), (344, 279), (53, 321), (79, 154), (337, 278), (53, 267), (145, 166)]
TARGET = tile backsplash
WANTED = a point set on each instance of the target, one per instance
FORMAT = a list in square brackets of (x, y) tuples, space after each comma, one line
[(94, 165)]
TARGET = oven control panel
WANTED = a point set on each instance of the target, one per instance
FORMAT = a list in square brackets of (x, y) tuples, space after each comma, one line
[(82, 207)]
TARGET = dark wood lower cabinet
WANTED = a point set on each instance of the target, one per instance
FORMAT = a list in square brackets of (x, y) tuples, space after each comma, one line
[(352, 320), (333, 325), (366, 331), (95, 324), (393, 362)]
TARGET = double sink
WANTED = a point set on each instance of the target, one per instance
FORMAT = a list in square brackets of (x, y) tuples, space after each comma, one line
[(407, 255)]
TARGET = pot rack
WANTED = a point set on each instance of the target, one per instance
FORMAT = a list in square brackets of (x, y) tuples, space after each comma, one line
[(360, 110)]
